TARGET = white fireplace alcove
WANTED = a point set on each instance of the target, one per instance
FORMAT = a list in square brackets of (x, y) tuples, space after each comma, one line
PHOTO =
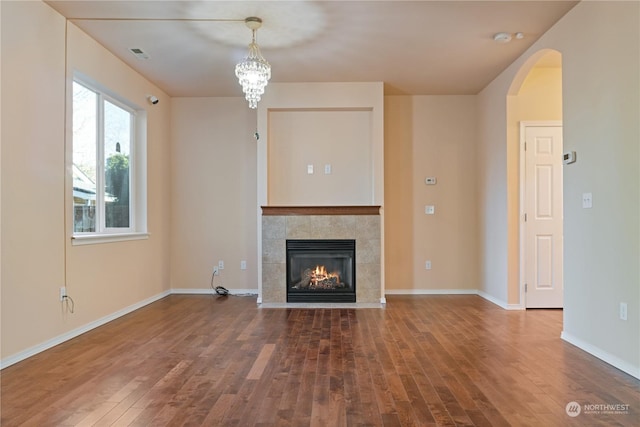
[(320, 175)]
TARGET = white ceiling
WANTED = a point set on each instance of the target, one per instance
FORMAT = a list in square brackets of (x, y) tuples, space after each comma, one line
[(414, 47)]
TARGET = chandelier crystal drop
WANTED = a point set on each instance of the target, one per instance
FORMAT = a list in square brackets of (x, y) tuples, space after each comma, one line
[(254, 71)]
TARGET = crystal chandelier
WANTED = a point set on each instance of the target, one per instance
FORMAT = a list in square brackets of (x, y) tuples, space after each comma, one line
[(254, 71)]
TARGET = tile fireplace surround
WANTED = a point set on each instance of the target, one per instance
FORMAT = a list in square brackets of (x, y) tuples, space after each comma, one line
[(361, 223)]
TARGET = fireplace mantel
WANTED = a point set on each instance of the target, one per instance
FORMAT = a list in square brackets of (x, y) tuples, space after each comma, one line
[(320, 210)]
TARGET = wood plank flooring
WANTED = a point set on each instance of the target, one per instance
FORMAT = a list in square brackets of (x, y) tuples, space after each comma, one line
[(196, 360)]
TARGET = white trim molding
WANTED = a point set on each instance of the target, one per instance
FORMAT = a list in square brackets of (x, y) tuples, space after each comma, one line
[(501, 303), (32, 351), (482, 294), (431, 292), (209, 291), (615, 361), (92, 239)]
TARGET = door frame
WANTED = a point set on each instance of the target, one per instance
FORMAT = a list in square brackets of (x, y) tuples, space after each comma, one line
[(523, 125)]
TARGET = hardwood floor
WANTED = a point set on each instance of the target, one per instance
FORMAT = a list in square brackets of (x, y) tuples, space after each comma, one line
[(423, 360)]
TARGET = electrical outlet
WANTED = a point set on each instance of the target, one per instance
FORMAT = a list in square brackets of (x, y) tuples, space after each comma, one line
[(427, 265), (216, 271), (221, 265), (623, 311), (430, 180), (63, 293)]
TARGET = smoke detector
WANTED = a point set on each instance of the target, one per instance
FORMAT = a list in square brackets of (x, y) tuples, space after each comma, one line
[(502, 37)]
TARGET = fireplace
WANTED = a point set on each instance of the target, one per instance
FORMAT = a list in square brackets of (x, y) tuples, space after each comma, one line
[(321, 270)]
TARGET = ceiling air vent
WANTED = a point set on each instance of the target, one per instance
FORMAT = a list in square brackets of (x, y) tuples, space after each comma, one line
[(139, 53)]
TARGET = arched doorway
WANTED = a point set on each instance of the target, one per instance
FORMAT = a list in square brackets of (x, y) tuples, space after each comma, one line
[(534, 171)]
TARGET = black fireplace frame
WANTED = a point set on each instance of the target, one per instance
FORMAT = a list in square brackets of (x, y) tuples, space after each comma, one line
[(310, 246)]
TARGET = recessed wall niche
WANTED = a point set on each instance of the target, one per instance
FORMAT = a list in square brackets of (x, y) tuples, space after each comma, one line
[(320, 157)]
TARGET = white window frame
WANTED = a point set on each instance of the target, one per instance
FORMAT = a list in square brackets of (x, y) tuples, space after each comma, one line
[(137, 169)]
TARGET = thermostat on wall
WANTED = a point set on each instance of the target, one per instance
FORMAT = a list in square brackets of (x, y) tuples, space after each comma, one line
[(430, 180), (569, 157)]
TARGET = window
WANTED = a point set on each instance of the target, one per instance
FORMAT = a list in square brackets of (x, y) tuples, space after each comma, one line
[(104, 164)]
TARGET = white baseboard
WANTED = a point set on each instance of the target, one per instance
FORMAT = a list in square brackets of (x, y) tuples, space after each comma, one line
[(383, 300), (482, 294), (32, 351), (209, 291), (499, 302), (609, 358), (430, 292), (8, 361)]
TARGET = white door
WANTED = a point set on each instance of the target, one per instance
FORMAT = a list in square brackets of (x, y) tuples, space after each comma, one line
[(543, 216)]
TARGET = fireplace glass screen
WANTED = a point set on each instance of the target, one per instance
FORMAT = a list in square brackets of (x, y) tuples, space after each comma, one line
[(321, 271)]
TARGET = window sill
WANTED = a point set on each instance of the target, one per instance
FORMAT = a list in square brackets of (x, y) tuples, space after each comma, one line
[(92, 239)]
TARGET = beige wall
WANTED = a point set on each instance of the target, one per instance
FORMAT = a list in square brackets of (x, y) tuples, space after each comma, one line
[(214, 193), (600, 46), (491, 184), (601, 100), (399, 193), (338, 97), (110, 276), (430, 136), (424, 136), (341, 139), (540, 96), (37, 258), (33, 235)]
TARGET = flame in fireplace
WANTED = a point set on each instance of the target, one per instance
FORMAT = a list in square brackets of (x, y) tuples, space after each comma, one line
[(320, 275), (319, 278)]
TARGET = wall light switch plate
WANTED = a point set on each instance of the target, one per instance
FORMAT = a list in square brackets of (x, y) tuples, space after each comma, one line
[(427, 265), (587, 200), (429, 210), (327, 169), (310, 169), (569, 157), (623, 311), (243, 265)]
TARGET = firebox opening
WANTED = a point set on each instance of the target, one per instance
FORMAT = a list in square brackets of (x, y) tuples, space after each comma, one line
[(321, 271)]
